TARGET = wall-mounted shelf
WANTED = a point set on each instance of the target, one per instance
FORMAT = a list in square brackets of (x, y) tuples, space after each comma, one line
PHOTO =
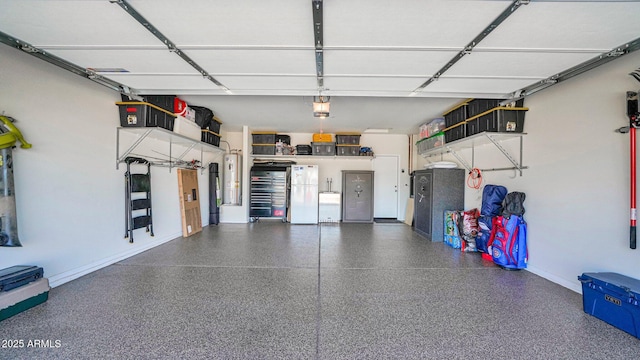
[(335, 157), (182, 144), (473, 141)]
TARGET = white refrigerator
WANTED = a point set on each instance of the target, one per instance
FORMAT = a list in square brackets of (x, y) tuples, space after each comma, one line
[(304, 194)]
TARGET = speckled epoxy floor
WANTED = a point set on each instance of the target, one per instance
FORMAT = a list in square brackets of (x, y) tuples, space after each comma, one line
[(278, 291)]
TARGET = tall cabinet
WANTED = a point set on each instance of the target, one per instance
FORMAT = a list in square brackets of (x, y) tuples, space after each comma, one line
[(357, 196), (435, 191)]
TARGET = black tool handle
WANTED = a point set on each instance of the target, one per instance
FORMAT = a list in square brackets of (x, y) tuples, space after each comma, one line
[(632, 237)]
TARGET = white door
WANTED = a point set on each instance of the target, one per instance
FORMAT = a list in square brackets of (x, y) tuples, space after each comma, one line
[(385, 182)]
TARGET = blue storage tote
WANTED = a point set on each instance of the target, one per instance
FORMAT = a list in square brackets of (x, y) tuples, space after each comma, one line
[(613, 298)]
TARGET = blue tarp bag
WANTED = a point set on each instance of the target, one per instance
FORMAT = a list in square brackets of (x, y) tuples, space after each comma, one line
[(508, 242), (492, 198)]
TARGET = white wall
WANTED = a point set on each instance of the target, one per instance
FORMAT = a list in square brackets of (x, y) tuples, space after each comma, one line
[(331, 167), (70, 197), (577, 184)]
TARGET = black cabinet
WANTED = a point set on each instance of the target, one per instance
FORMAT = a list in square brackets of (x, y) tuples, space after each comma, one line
[(435, 191), (268, 195)]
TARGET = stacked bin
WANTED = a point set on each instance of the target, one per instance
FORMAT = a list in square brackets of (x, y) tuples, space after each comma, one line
[(347, 144), (143, 114), (455, 123), (264, 143), (322, 145), (497, 119), (211, 134)]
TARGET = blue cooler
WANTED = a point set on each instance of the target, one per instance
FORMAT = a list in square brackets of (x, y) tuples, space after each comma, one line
[(613, 298)]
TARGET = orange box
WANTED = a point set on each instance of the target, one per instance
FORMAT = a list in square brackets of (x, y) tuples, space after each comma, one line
[(321, 137)]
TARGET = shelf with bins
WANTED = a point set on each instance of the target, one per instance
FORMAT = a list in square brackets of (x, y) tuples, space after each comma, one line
[(336, 157), (480, 139), (176, 142)]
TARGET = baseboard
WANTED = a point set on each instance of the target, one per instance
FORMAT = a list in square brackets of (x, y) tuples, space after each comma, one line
[(67, 276), (555, 279)]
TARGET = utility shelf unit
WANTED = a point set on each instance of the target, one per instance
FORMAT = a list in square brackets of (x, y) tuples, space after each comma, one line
[(473, 141), (182, 144), (336, 157)]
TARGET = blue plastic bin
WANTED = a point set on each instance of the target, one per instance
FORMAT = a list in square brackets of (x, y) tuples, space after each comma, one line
[(613, 298)]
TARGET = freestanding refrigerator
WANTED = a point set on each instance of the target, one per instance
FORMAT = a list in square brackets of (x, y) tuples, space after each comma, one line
[(304, 194)]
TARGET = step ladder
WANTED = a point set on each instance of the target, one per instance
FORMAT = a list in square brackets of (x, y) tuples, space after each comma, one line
[(137, 198)]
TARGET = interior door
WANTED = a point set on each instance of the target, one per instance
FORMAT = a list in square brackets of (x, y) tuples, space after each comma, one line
[(385, 196)]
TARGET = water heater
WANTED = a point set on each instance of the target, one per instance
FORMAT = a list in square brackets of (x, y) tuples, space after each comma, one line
[(232, 178)]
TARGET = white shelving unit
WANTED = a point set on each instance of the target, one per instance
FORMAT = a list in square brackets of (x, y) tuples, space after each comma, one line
[(477, 140), (180, 144)]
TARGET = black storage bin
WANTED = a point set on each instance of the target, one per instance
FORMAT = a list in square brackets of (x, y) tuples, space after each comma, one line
[(323, 148), (264, 137), (455, 133), (210, 137), (478, 106), (303, 150), (164, 101), (499, 120), (347, 150), (264, 149), (215, 125), (285, 139), (19, 275), (347, 139), (141, 114), (204, 116), (455, 116)]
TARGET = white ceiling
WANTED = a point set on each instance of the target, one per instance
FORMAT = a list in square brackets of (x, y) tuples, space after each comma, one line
[(376, 53)]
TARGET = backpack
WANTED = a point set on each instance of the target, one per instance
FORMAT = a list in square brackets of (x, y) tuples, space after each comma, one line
[(513, 204), (492, 198), (508, 242)]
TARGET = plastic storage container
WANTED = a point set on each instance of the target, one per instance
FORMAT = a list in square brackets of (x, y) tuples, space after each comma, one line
[(170, 103), (188, 128), (478, 106), (210, 137), (347, 150), (321, 137), (347, 139), (23, 298), (613, 298), (323, 148), (263, 138), (264, 149), (500, 119), (431, 142), (435, 126), (456, 115), (455, 133), (303, 150), (142, 114), (215, 125)]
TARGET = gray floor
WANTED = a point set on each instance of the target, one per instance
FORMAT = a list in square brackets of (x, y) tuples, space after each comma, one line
[(352, 291)]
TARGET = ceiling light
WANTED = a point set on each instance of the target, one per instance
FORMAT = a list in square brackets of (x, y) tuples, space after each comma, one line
[(376, 131), (321, 106)]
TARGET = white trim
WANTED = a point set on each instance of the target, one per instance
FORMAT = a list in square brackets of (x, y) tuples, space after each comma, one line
[(555, 279), (73, 274)]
